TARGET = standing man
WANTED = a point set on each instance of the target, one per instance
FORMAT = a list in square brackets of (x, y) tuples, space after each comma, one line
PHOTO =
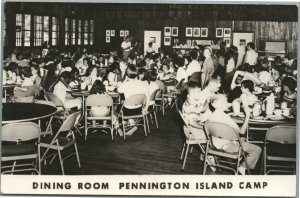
[(251, 54), (126, 47)]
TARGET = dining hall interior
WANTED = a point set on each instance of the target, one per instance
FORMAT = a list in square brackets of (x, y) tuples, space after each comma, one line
[(149, 89)]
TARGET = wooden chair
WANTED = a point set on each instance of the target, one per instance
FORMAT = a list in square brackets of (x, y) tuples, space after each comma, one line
[(280, 148), (19, 144), (151, 108), (104, 101), (172, 96), (63, 140), (224, 132)]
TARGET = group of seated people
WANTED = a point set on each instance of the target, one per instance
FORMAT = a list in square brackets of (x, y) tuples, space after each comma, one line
[(210, 78)]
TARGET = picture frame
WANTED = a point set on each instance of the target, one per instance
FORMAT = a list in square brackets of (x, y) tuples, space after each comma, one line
[(174, 31), (196, 32), (107, 40), (227, 41), (204, 32), (126, 32), (107, 33), (153, 39), (122, 33), (219, 32), (167, 41), (227, 32), (167, 31), (189, 31), (112, 33)]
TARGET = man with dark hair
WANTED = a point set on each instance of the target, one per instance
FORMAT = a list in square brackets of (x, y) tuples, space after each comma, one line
[(194, 65), (251, 55), (247, 98)]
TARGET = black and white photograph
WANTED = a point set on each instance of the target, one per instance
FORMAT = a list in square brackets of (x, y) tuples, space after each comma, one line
[(189, 31), (204, 32), (122, 33), (149, 99), (167, 41), (227, 32), (196, 32), (167, 31), (112, 33), (174, 31), (107, 32), (219, 32)]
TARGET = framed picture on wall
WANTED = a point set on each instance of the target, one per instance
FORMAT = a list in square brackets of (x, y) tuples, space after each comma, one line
[(227, 41), (107, 32), (219, 32), (122, 33), (174, 31), (227, 32), (167, 31), (107, 39), (204, 32), (126, 32), (189, 31), (112, 32), (167, 41), (196, 32)]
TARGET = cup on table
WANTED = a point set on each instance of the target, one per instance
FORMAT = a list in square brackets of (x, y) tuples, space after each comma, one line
[(83, 86), (286, 111), (283, 105), (256, 112), (236, 107), (89, 87), (258, 89), (278, 112)]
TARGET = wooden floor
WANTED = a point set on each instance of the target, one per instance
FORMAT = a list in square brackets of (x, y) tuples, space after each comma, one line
[(158, 153)]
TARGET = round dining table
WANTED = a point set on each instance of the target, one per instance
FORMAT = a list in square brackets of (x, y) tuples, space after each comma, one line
[(24, 112)]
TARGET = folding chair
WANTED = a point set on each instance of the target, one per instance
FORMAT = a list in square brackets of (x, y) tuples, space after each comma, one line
[(137, 103), (280, 148), (171, 96), (63, 140), (190, 140), (151, 108), (19, 144), (226, 133), (104, 101)]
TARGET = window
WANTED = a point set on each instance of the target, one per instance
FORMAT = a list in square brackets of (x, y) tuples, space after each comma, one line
[(4, 31), (73, 28), (79, 30), (54, 31), (91, 32), (23, 24), (41, 30), (86, 32), (67, 33)]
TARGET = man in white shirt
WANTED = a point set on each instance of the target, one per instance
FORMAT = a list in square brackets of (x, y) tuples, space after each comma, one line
[(194, 65), (181, 73), (126, 47), (251, 55), (253, 151)]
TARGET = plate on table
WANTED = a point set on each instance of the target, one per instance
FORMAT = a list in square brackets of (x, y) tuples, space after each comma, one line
[(242, 115), (267, 91), (257, 117), (276, 118)]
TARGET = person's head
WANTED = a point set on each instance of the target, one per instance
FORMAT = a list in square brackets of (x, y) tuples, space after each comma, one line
[(13, 66), (152, 75), (130, 59), (193, 88), (207, 52), (194, 55), (98, 87), (250, 46), (86, 61), (127, 38), (115, 68), (289, 84), (131, 72), (290, 56), (75, 73), (278, 60), (219, 102), (180, 62), (150, 44), (165, 67), (25, 72), (35, 70), (66, 76), (247, 86), (214, 85), (142, 73)]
